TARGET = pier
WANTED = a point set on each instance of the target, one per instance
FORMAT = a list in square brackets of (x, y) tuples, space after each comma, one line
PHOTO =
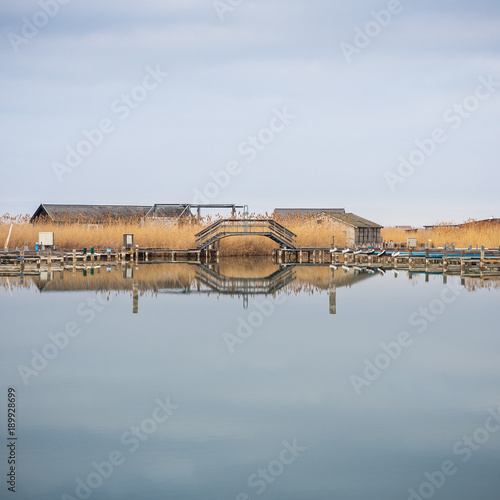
[(32, 262), (465, 262)]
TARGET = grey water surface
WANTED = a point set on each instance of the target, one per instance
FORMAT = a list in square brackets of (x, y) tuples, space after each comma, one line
[(229, 385)]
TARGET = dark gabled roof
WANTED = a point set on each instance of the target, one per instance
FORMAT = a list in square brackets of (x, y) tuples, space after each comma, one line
[(336, 213), (305, 212), (355, 220), (169, 211), (491, 220), (59, 212)]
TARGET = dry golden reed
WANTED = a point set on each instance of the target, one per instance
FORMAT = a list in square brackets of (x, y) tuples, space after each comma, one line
[(310, 233), (471, 232)]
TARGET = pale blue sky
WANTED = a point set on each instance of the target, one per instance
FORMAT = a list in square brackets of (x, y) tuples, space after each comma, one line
[(226, 81)]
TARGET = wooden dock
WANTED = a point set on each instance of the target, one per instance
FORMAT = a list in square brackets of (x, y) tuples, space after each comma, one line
[(464, 262), (32, 262)]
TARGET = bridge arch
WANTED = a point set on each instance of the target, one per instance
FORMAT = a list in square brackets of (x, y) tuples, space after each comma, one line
[(245, 227)]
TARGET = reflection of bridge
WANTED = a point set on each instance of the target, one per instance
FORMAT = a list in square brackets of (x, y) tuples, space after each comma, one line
[(245, 286), (227, 285), (245, 227)]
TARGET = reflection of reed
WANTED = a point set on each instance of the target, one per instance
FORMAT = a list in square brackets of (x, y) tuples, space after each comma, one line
[(12, 282), (151, 278), (254, 267), (474, 284), (320, 278)]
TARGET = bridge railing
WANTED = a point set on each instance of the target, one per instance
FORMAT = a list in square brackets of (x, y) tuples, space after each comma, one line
[(268, 227)]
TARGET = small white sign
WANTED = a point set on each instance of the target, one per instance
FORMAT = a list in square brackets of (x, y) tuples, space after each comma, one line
[(46, 239)]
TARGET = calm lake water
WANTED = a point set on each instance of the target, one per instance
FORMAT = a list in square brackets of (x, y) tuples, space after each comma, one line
[(246, 381)]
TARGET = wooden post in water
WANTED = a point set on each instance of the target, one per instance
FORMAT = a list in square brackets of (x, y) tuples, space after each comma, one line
[(481, 264), (135, 299), (445, 260), (462, 263), (333, 298)]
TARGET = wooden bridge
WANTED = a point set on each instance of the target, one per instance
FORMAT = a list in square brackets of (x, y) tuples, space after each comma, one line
[(245, 227)]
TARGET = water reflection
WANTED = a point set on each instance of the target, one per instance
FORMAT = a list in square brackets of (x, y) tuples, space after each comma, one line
[(241, 278), (289, 377)]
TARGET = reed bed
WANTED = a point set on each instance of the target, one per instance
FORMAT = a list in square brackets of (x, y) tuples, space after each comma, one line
[(475, 233), (71, 234)]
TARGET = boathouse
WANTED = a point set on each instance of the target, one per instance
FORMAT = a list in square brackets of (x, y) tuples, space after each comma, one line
[(97, 214), (358, 231), (348, 227)]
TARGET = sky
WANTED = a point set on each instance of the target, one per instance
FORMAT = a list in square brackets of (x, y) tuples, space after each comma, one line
[(387, 108)]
